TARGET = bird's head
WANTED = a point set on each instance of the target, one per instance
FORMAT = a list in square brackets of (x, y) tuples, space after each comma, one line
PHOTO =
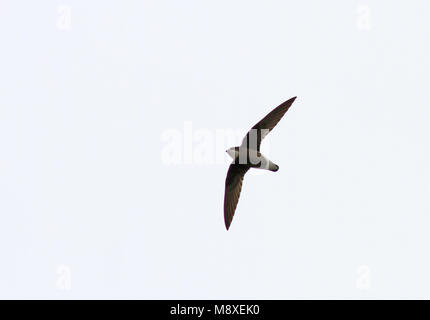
[(232, 152)]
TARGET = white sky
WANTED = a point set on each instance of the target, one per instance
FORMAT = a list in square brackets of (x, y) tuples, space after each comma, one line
[(90, 209)]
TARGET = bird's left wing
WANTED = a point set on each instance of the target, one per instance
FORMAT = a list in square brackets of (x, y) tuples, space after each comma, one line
[(257, 133), (233, 186)]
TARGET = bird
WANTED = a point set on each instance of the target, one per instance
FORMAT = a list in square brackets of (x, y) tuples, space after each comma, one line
[(247, 156)]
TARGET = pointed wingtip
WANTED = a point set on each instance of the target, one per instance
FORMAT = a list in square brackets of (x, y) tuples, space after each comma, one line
[(227, 223), (290, 101)]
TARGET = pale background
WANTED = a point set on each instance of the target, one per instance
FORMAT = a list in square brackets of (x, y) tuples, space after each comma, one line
[(90, 208)]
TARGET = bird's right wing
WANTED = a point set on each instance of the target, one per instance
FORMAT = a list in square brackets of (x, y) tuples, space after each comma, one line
[(233, 186), (257, 133)]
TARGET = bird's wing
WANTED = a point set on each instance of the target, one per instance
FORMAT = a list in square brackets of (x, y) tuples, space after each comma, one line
[(233, 186), (257, 133)]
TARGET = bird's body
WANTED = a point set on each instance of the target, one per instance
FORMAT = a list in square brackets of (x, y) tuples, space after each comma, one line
[(252, 158), (247, 156)]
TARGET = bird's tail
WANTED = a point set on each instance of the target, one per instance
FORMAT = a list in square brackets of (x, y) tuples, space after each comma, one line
[(273, 167)]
